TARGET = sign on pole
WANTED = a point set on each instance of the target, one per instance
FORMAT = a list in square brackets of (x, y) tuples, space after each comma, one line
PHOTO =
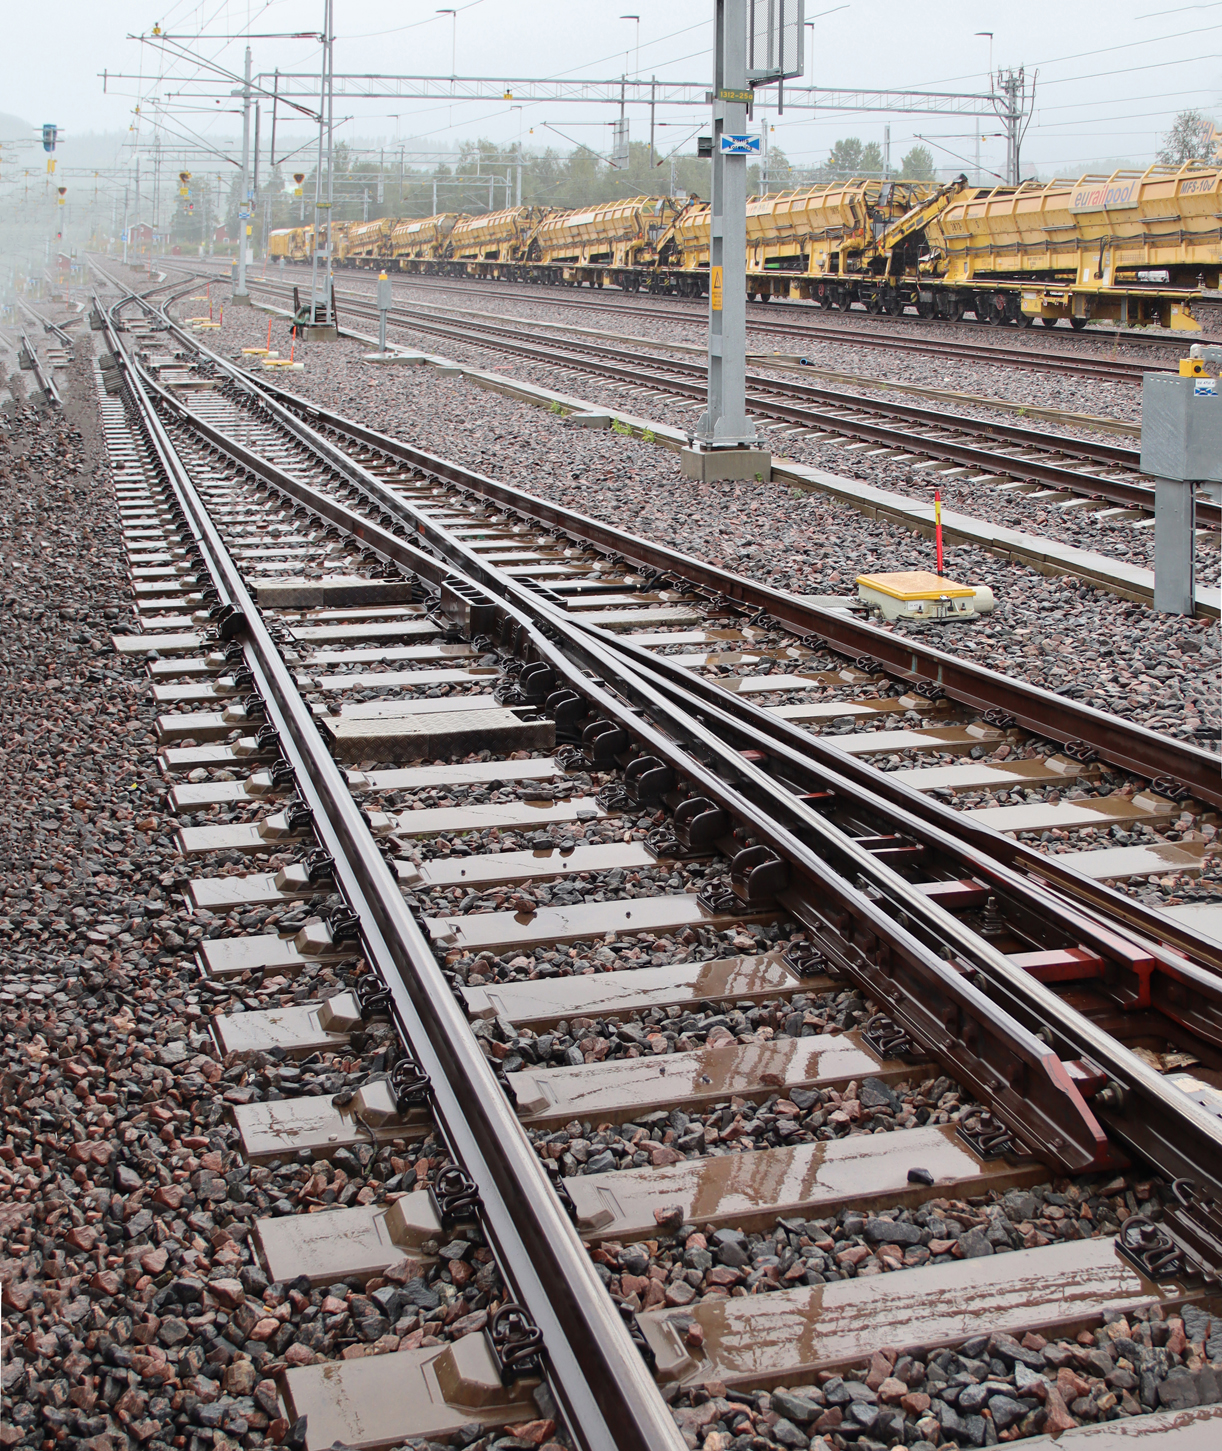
[(774, 40), (740, 145)]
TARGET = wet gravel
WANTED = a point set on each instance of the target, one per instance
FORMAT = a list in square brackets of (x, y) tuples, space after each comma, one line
[(989, 1389), (564, 307), (1128, 540), (1041, 627), (1159, 671), (135, 1309), (214, 1382)]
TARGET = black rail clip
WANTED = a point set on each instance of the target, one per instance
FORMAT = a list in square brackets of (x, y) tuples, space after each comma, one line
[(231, 623), (887, 1038), (991, 1139), (410, 1085), (1169, 787), (345, 925), (562, 1190), (571, 758), (454, 1196), (282, 773), (567, 709), (647, 779), (806, 960), (637, 1335), (372, 996), (537, 681), (516, 1343), (603, 742), (1186, 1244), (299, 818)]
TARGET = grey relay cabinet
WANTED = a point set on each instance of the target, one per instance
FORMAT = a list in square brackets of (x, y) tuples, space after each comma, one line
[(1181, 447)]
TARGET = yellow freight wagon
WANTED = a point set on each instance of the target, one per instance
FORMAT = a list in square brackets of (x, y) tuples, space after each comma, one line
[(610, 243), (493, 244), (415, 240), (367, 243), (1130, 247)]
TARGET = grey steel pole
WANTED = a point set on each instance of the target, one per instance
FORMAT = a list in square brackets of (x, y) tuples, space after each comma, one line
[(725, 421), (385, 300), (241, 294), (329, 52), (1174, 521), (318, 200)]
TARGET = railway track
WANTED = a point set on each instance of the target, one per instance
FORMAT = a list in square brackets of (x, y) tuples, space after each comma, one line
[(1064, 465), (41, 364), (760, 319), (697, 309), (630, 845), (64, 338)]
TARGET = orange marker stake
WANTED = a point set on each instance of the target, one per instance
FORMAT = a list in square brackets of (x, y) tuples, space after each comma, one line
[(292, 349), (269, 335), (937, 524)]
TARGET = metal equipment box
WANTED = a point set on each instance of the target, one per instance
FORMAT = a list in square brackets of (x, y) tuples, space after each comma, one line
[(1181, 428), (916, 594)]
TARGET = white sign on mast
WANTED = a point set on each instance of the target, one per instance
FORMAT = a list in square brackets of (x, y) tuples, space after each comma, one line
[(774, 40)]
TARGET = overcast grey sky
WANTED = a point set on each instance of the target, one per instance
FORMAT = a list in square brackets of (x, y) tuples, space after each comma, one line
[(1111, 75)]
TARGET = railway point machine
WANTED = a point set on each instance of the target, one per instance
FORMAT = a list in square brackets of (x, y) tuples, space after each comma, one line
[(1181, 448)]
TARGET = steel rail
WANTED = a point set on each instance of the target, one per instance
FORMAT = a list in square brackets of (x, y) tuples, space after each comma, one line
[(1155, 1120), (1116, 491), (698, 311), (1049, 443), (48, 326), (916, 986), (41, 372), (599, 1378), (1132, 747), (1119, 370), (1154, 931), (1049, 1113), (1103, 369), (977, 1037), (628, 369)]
